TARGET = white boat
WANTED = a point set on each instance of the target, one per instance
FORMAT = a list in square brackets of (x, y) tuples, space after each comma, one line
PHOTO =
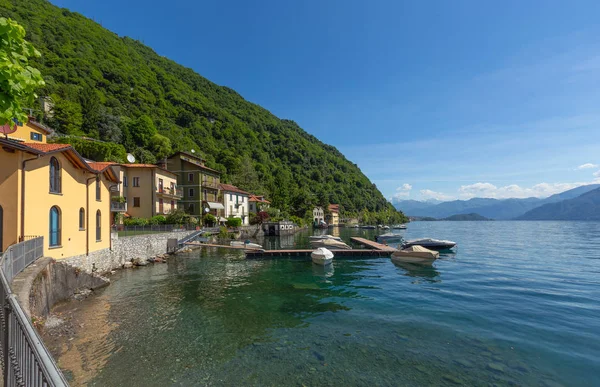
[(368, 227), (326, 236), (245, 244), (415, 254), (330, 244), (399, 227), (385, 227), (356, 226), (322, 256), (430, 243), (388, 238)]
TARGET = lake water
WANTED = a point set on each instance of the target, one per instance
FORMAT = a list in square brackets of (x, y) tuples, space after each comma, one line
[(517, 303)]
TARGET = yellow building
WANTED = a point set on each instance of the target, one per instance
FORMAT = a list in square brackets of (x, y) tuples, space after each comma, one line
[(49, 190), (32, 131), (148, 190), (333, 218)]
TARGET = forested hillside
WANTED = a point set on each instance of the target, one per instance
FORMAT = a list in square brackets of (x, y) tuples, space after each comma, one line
[(119, 91)]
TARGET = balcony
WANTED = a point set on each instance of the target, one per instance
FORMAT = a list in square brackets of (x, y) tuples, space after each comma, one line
[(176, 193), (210, 184), (118, 207)]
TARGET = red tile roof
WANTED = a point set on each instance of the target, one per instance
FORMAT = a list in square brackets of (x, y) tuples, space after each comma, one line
[(100, 165), (259, 199), (232, 188), (334, 208), (46, 147)]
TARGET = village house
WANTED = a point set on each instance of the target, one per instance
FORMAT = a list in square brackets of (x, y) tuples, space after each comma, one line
[(147, 189), (235, 202), (318, 215), (31, 131), (333, 217), (257, 203), (49, 190), (200, 184)]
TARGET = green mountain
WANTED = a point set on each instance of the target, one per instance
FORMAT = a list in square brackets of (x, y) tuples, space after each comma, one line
[(583, 207), (117, 90)]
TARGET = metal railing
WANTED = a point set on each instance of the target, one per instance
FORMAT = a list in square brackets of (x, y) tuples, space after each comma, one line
[(24, 358), (118, 207), (177, 192), (151, 229)]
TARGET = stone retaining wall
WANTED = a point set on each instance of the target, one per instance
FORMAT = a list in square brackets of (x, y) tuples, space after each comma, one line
[(125, 249)]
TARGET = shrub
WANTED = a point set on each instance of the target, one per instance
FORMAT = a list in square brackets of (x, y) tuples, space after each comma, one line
[(158, 219), (210, 220), (299, 221), (233, 222), (177, 217), (135, 222), (259, 217)]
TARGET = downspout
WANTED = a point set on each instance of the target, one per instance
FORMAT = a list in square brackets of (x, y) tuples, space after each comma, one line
[(87, 215), (154, 189), (22, 237)]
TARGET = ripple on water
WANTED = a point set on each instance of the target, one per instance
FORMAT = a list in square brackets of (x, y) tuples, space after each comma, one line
[(517, 303)]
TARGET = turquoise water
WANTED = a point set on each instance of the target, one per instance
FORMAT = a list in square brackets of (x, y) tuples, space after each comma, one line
[(517, 303)]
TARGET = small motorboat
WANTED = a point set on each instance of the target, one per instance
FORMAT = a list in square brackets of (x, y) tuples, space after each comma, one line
[(385, 227), (388, 238), (415, 254), (356, 226), (322, 256), (399, 227), (246, 244), (369, 227), (431, 244), (326, 236), (330, 244)]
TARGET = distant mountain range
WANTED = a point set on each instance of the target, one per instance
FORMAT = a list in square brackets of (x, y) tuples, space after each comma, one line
[(583, 207), (489, 208)]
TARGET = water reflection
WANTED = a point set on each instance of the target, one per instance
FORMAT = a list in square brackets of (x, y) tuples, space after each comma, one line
[(323, 272), (425, 271)]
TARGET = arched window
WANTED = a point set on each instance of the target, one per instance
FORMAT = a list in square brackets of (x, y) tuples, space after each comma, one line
[(98, 188), (81, 219), (54, 226), (98, 226), (55, 175)]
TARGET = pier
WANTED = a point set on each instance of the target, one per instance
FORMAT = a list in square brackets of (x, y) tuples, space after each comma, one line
[(202, 244), (372, 244)]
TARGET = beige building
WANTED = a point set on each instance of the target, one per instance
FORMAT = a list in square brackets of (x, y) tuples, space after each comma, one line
[(49, 190), (235, 202), (148, 190), (333, 217)]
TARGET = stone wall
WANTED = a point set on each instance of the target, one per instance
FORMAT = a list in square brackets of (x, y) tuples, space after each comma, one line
[(125, 249), (46, 282)]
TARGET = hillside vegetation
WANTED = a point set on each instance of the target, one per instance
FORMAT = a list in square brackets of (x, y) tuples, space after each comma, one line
[(119, 91)]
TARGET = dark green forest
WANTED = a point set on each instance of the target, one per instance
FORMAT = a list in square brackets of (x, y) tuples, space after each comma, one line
[(116, 90)]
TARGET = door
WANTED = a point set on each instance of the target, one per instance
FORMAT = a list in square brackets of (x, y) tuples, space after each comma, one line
[(160, 185)]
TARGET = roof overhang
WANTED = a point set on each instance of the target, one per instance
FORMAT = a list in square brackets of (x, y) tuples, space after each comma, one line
[(215, 206)]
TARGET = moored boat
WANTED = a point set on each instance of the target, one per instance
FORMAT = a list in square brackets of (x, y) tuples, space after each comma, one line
[(326, 236), (322, 256), (329, 243), (399, 227), (430, 243), (368, 227), (415, 254), (246, 244), (388, 238)]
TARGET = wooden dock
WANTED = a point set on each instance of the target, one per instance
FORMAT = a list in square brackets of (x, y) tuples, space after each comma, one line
[(306, 253), (200, 244), (372, 244)]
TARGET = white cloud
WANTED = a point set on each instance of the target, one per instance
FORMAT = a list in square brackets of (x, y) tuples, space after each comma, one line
[(586, 166), (429, 194), (487, 190), (597, 174), (402, 192)]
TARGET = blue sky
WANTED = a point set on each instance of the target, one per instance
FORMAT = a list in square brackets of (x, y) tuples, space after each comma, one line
[(432, 99)]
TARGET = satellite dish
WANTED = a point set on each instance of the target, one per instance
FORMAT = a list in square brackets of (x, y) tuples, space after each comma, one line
[(130, 158), (7, 129), (193, 151)]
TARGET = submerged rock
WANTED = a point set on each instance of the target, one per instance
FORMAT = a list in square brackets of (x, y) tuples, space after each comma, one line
[(496, 367)]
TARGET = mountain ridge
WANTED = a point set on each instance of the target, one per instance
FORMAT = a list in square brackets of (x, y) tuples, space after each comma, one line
[(583, 207), (120, 91), (500, 209)]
